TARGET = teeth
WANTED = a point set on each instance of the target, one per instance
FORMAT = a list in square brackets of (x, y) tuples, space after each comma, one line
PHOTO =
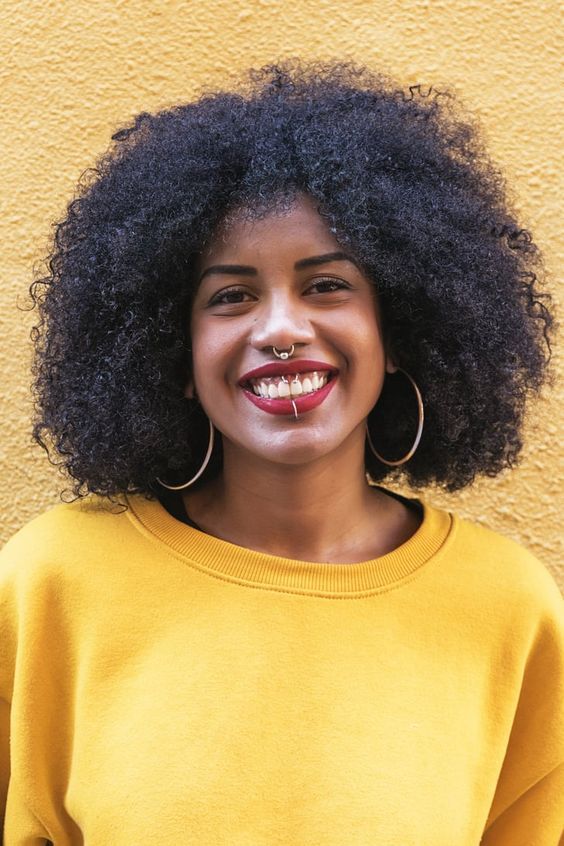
[(280, 387), (296, 387)]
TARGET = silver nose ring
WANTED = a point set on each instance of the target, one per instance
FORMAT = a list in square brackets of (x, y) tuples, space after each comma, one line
[(283, 354)]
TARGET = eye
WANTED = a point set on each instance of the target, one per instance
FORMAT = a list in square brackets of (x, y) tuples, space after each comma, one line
[(328, 286), (229, 296)]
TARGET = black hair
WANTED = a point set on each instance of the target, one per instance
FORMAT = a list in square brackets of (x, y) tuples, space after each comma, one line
[(402, 179)]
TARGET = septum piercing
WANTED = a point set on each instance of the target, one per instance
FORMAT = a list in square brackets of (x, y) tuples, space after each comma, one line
[(284, 355)]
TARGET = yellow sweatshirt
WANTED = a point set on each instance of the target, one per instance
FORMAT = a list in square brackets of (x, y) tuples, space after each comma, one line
[(160, 686)]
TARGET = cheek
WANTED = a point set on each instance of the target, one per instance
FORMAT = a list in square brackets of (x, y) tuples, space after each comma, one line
[(366, 331), (213, 355), (370, 355), (202, 356)]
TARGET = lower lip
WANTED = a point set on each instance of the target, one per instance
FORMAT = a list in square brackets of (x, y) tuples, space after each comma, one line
[(305, 402)]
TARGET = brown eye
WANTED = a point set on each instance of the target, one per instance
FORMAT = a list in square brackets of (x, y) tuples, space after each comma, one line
[(328, 286), (229, 296)]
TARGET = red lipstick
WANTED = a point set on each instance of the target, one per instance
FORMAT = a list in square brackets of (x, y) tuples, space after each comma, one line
[(305, 402), (283, 368), (290, 405)]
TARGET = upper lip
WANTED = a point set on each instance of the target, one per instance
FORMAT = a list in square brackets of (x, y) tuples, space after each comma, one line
[(281, 368)]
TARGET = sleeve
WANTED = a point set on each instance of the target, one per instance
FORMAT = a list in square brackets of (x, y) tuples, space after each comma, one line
[(4, 726), (528, 804), (4, 759), (24, 588), (7, 656), (536, 818)]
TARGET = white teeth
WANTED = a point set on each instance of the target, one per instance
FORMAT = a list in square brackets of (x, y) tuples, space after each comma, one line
[(292, 385), (261, 390), (296, 387)]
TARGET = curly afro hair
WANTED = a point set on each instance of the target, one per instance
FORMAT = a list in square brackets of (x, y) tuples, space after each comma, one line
[(402, 180)]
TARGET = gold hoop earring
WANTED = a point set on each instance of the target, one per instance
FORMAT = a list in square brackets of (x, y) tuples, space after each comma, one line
[(200, 471), (421, 420)]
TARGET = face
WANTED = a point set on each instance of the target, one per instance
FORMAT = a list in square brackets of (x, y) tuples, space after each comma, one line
[(280, 281)]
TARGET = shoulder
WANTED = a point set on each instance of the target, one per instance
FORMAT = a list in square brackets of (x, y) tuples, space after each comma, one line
[(505, 571), (66, 533)]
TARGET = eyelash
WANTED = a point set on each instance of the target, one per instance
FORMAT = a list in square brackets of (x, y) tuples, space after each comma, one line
[(218, 299)]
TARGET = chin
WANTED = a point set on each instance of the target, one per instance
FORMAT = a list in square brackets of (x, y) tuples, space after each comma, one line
[(295, 451)]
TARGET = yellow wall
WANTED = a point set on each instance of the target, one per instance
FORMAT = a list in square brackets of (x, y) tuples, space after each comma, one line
[(72, 70)]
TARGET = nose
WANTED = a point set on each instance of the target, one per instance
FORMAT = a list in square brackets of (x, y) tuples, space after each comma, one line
[(280, 322)]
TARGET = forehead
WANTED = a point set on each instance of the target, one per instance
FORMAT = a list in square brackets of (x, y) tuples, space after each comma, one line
[(297, 229)]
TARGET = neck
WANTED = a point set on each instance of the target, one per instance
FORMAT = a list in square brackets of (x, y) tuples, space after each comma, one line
[(322, 510)]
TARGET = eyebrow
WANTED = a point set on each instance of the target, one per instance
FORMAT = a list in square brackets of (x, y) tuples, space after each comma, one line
[(248, 270)]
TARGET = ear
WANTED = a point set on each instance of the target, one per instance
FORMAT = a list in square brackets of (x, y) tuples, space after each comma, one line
[(391, 366), (190, 389)]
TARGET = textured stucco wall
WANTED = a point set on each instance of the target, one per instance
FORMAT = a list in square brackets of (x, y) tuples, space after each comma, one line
[(71, 71)]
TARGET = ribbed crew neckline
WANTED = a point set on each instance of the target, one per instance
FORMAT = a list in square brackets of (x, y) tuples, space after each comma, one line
[(258, 569)]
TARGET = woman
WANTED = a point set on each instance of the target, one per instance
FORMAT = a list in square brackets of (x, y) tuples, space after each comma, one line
[(238, 636)]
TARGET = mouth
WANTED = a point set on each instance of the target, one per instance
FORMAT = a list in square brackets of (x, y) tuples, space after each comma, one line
[(290, 393), (288, 385)]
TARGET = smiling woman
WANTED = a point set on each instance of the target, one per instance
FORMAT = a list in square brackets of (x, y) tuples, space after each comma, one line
[(262, 305)]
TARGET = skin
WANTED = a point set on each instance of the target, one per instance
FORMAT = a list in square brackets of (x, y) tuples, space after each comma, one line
[(291, 487)]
